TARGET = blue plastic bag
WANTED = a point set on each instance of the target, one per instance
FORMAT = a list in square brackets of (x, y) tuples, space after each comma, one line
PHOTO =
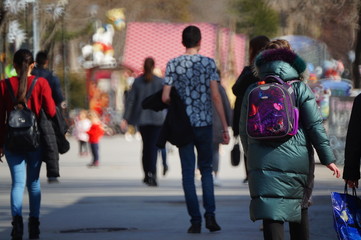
[(347, 215)]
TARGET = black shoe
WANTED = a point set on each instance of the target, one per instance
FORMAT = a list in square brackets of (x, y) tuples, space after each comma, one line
[(53, 180), (18, 228), (211, 224), (165, 170), (33, 227), (145, 180), (194, 228), (152, 181)]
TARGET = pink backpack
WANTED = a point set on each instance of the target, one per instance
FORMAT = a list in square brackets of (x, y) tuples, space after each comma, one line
[(272, 113)]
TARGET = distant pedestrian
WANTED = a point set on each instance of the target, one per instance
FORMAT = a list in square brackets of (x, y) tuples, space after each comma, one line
[(351, 169), (81, 126), (281, 172), (41, 70), (195, 79), (24, 166), (217, 132), (95, 132), (245, 79), (147, 121)]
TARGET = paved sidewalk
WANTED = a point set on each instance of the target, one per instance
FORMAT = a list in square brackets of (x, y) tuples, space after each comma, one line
[(111, 202)]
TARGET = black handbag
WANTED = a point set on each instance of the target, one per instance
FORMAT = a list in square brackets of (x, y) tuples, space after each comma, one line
[(235, 154)]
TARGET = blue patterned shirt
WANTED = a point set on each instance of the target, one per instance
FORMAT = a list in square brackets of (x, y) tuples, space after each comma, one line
[(191, 76)]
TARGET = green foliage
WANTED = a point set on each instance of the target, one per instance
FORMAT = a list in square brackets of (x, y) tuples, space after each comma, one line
[(77, 90), (255, 17)]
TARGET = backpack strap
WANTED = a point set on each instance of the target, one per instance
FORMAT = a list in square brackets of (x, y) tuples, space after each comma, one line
[(11, 91), (28, 93)]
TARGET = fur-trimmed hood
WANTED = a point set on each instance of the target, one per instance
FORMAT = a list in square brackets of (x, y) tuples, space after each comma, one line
[(283, 62)]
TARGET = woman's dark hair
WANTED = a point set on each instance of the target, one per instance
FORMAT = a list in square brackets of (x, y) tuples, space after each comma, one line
[(256, 45), (23, 58), (191, 36), (148, 69)]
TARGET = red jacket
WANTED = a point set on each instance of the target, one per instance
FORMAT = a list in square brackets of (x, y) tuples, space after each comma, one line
[(95, 133), (40, 98)]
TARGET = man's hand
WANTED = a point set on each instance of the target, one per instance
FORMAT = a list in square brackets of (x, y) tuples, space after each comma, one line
[(226, 137)]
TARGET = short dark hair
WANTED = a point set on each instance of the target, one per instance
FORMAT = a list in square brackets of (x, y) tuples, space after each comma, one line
[(191, 36), (41, 58)]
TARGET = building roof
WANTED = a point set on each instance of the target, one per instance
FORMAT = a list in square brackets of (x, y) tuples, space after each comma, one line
[(163, 41)]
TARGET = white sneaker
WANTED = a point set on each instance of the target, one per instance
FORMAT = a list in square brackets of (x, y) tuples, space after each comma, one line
[(216, 182)]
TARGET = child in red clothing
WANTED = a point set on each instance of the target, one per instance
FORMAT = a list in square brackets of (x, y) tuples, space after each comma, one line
[(95, 133)]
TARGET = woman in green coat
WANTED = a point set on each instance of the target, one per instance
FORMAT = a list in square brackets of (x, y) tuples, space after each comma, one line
[(280, 173)]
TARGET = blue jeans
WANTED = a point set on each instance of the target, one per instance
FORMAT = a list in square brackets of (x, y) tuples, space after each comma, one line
[(94, 147), (203, 143), (25, 169)]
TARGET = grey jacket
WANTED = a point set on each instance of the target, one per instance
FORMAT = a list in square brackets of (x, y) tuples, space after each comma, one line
[(134, 113)]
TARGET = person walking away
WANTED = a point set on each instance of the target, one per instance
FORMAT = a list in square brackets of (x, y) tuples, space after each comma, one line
[(81, 126), (147, 121), (24, 165), (281, 171), (41, 70), (245, 79), (195, 79), (351, 169), (217, 132), (95, 132)]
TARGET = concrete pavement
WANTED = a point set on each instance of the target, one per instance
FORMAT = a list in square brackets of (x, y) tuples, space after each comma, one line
[(111, 202)]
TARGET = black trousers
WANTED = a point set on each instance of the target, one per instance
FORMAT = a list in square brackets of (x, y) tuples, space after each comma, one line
[(150, 136), (274, 230)]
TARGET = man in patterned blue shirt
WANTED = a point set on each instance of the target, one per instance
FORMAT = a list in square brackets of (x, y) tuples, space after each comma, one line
[(196, 80)]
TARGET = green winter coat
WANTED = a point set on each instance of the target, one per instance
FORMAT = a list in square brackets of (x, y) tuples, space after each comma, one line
[(280, 174)]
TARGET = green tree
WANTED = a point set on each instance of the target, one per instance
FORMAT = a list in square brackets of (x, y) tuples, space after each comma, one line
[(255, 17), (77, 90)]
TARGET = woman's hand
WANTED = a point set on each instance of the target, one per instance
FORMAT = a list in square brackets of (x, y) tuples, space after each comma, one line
[(124, 125), (1, 154), (352, 183), (334, 169)]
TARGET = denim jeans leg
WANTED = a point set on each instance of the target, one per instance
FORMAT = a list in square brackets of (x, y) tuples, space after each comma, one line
[(188, 161), (204, 147), (33, 182), (22, 166)]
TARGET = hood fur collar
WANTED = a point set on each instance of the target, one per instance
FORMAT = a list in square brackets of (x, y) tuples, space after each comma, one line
[(284, 55)]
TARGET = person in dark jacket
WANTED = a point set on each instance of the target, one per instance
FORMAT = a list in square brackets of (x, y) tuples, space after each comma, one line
[(280, 173), (41, 70), (217, 132), (148, 121), (351, 169), (245, 79)]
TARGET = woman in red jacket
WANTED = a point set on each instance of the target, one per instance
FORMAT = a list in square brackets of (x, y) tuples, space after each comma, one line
[(24, 166)]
